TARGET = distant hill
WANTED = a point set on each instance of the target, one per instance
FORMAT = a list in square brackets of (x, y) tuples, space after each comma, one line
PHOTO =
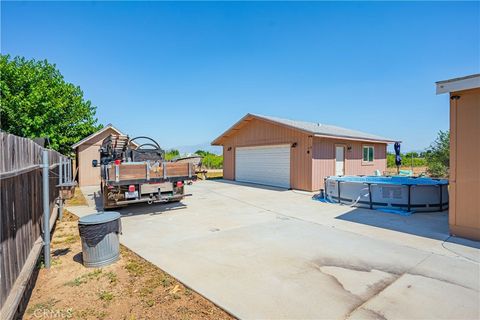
[(193, 148)]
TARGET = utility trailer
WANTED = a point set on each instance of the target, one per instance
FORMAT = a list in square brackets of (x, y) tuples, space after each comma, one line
[(135, 175)]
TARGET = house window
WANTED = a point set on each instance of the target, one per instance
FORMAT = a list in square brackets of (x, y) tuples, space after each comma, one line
[(368, 154)]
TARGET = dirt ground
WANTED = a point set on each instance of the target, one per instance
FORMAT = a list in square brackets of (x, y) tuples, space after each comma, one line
[(77, 200), (131, 288), (212, 174)]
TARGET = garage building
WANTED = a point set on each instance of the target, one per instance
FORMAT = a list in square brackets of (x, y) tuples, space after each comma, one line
[(296, 154), (87, 150)]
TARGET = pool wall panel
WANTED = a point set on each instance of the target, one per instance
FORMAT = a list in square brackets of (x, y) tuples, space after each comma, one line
[(391, 196)]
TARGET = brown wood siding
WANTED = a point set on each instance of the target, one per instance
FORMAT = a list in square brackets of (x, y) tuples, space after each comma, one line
[(228, 162), (21, 211), (324, 159), (139, 171), (258, 132), (464, 212)]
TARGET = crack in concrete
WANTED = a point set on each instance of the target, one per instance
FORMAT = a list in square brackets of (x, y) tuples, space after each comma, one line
[(377, 287), (373, 291), (374, 314), (366, 267)]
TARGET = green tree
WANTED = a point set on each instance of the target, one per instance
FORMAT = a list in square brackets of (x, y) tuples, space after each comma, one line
[(172, 154), (201, 152), (438, 155), (407, 160), (411, 154), (210, 160), (36, 101), (391, 160)]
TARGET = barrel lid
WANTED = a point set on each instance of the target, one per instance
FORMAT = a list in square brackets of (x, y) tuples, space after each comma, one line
[(99, 217)]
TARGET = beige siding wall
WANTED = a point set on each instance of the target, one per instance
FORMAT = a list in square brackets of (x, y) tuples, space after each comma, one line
[(88, 175), (324, 159), (258, 132), (464, 212), (229, 162)]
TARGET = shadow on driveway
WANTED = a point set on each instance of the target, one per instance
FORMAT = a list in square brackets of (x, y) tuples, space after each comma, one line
[(433, 225), (251, 185), (137, 208), (152, 209)]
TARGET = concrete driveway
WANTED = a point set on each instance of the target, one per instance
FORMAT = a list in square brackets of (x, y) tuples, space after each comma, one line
[(264, 253)]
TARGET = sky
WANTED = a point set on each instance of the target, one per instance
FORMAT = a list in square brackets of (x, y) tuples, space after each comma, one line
[(183, 73)]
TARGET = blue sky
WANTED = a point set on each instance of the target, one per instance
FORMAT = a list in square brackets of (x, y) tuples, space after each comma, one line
[(185, 72)]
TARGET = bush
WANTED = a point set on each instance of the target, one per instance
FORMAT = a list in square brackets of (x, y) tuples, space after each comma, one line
[(172, 154), (438, 156), (406, 160), (210, 160)]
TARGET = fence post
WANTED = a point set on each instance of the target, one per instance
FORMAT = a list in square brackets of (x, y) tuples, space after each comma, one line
[(64, 168), (60, 207), (60, 182), (60, 171), (70, 170), (46, 210)]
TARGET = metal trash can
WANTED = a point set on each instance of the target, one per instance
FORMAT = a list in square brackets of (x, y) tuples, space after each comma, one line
[(99, 234)]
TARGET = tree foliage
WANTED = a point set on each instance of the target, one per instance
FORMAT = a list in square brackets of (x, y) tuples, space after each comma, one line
[(172, 154), (438, 155), (417, 161), (210, 160), (36, 101)]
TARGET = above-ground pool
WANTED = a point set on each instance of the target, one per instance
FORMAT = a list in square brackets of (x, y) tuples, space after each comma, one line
[(397, 193)]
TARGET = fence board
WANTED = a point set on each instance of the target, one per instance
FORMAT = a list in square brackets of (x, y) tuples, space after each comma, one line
[(21, 210)]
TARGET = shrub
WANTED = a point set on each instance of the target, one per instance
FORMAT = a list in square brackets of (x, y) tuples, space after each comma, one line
[(438, 155), (407, 160), (210, 160), (172, 154)]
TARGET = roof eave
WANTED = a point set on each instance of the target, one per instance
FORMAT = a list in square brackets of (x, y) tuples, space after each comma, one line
[(217, 141), (458, 84), (79, 143), (386, 141)]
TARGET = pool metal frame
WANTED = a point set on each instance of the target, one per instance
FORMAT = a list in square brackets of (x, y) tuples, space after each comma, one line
[(441, 204)]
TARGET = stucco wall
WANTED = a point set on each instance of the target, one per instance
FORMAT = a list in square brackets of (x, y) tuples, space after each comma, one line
[(323, 162), (464, 212)]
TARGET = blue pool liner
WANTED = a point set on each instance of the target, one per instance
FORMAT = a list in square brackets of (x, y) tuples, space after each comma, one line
[(391, 180)]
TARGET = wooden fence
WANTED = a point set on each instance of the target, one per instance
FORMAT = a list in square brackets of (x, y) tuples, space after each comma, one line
[(21, 207)]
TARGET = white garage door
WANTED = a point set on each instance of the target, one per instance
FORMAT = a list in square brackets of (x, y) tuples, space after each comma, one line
[(269, 165)]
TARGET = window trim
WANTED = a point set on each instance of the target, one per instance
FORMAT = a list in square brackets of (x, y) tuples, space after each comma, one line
[(366, 162)]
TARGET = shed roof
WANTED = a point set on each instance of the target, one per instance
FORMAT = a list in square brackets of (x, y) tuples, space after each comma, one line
[(313, 128), (93, 135)]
